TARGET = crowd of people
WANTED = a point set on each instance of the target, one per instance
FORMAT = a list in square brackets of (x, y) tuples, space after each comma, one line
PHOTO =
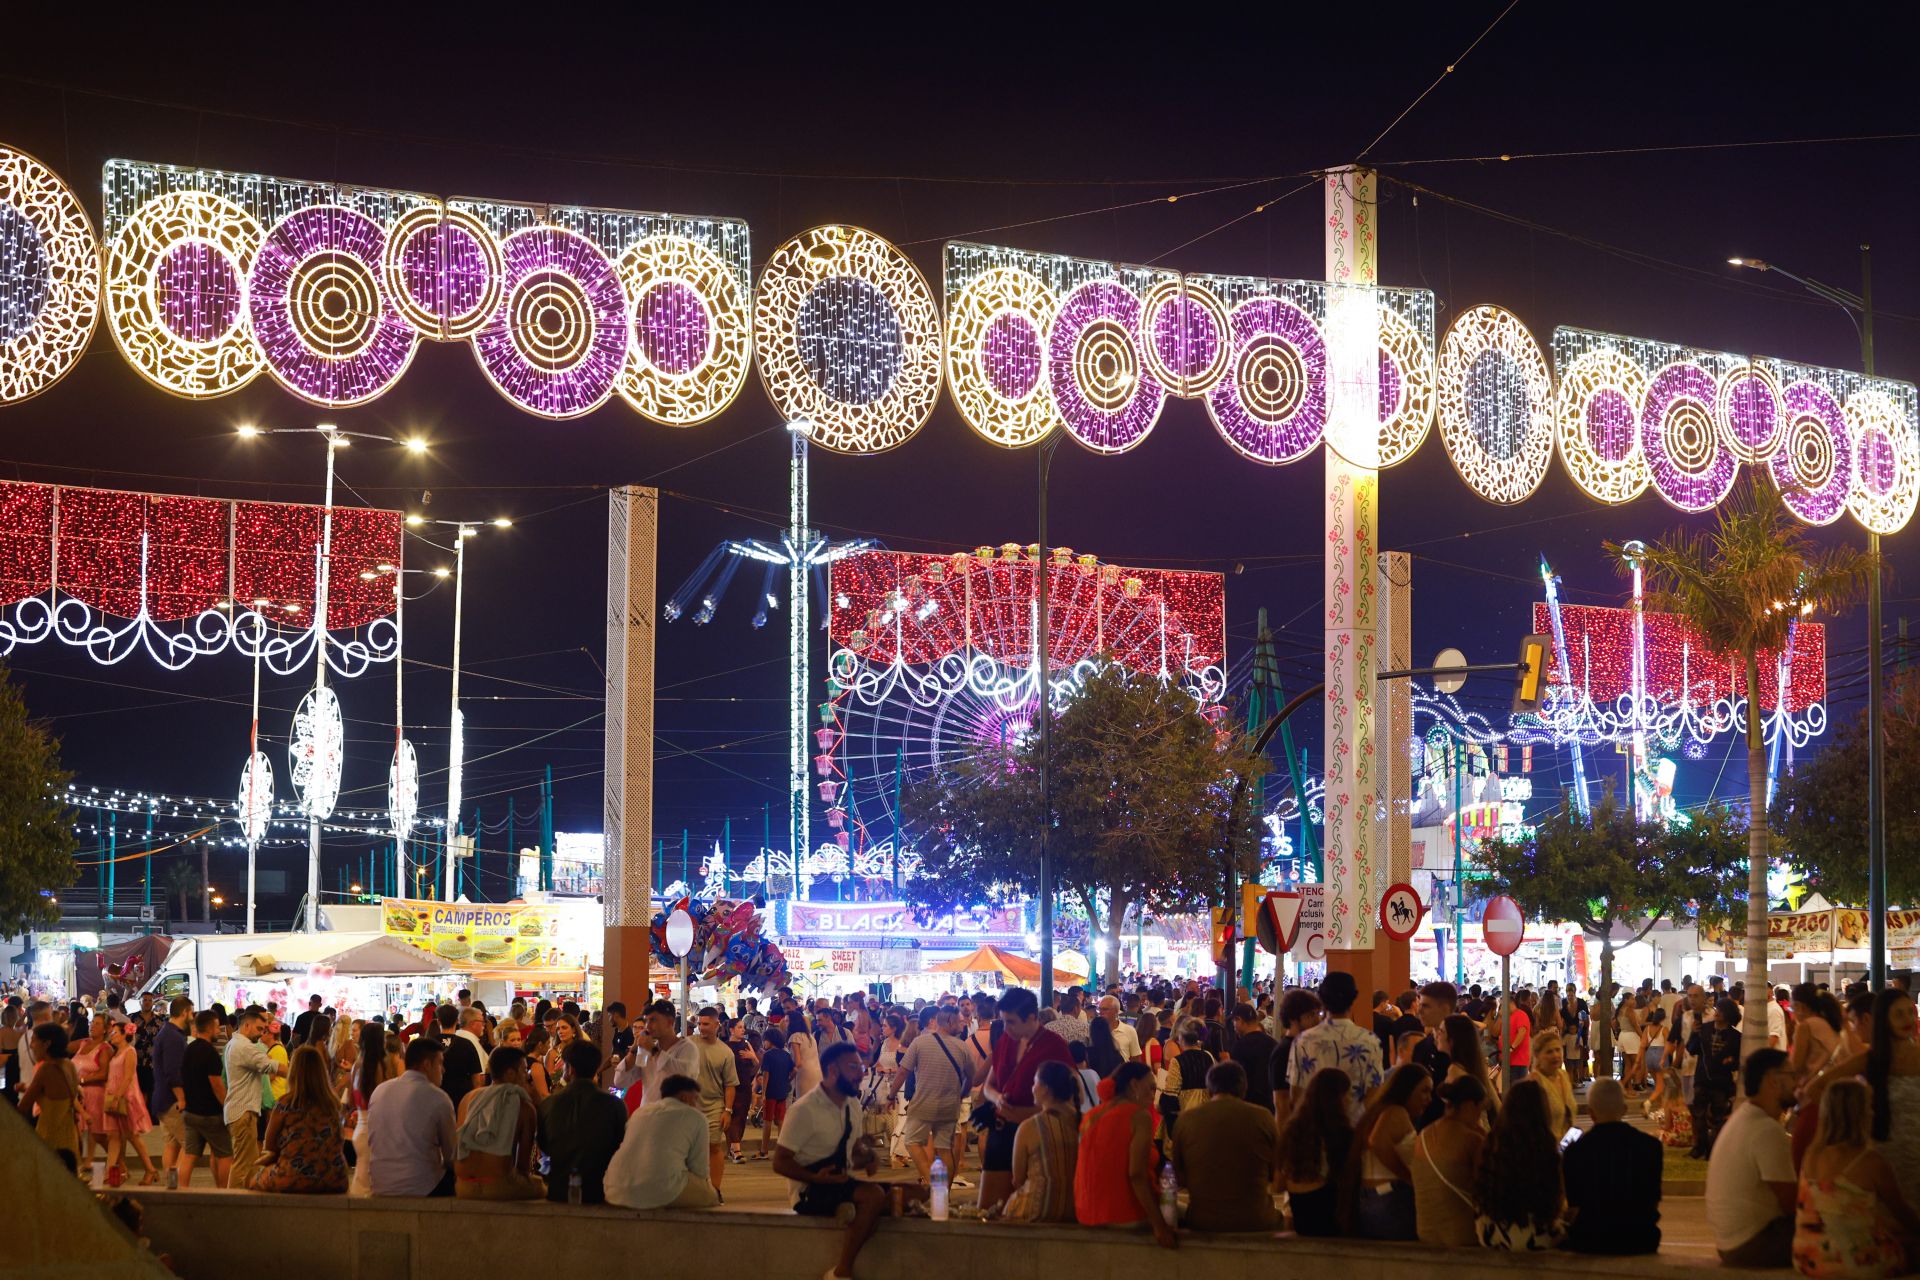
[(1436, 1115)]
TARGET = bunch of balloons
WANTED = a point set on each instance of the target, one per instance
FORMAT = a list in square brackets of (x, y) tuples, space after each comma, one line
[(727, 945)]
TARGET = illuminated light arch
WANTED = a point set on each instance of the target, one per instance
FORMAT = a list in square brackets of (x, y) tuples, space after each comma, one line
[(1596, 418), (997, 356), (1406, 388), (849, 339), (1496, 404), (1748, 413), (444, 271), (49, 277), (1105, 394), (1691, 468), (691, 331), (1272, 405), (1886, 472), (327, 329), (176, 292), (1186, 336), (1813, 468), (556, 343)]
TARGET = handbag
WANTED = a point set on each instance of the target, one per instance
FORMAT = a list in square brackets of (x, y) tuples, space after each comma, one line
[(115, 1104)]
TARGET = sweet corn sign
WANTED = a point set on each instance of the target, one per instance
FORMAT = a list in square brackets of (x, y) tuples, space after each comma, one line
[(485, 936)]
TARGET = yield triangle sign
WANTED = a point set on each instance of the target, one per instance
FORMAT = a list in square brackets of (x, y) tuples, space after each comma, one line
[(1284, 908)]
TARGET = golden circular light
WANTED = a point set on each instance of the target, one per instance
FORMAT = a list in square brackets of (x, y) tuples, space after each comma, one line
[(49, 277), (177, 293), (997, 356), (1496, 404), (692, 336)]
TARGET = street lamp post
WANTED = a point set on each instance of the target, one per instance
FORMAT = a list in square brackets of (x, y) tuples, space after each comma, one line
[(1862, 304), (1044, 707), (402, 778)]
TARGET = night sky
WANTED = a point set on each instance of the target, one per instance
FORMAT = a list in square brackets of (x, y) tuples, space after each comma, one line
[(1063, 138)]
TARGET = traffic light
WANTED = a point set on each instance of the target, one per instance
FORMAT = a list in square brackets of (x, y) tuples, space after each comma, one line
[(1222, 936), (1532, 686)]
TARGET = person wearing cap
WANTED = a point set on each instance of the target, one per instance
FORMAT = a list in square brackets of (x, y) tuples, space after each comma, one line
[(1340, 1042)]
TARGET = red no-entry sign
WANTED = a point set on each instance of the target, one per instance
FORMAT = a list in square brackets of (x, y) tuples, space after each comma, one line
[(1504, 927)]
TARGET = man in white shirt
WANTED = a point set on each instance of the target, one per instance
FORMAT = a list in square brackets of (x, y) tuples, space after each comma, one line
[(409, 1131), (1777, 1019), (1125, 1038), (662, 1160), (1750, 1178), (473, 1024), (670, 1055), (248, 1067)]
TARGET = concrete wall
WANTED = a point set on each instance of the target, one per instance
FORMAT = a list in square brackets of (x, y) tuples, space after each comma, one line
[(54, 1228), (333, 1236)]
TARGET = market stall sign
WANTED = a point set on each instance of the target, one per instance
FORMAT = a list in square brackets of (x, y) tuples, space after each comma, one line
[(478, 936)]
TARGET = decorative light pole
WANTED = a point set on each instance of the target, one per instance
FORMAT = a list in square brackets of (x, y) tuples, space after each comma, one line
[(403, 774), (1861, 304)]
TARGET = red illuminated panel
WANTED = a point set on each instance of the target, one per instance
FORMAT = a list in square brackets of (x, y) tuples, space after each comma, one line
[(1600, 650), (186, 556), (26, 540), (274, 559), (100, 548)]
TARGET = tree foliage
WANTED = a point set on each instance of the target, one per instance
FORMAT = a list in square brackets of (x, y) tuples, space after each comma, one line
[(36, 828), (1741, 584), (1820, 809), (1608, 872), (1141, 784)]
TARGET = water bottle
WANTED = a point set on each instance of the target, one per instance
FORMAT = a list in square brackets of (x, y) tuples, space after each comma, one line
[(1169, 1195), (173, 1178), (573, 1189), (937, 1194)]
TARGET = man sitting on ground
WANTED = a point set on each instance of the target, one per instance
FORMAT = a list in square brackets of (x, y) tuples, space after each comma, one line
[(819, 1151), (1750, 1178), (1612, 1175), (1223, 1154), (662, 1160)]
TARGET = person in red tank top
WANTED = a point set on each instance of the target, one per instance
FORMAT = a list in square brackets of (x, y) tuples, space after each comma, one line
[(1113, 1174)]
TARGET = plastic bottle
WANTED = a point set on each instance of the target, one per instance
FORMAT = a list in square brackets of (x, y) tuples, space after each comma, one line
[(573, 1189), (937, 1194), (1169, 1195)]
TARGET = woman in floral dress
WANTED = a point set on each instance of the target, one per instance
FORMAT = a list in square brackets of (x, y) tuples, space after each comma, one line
[(304, 1152)]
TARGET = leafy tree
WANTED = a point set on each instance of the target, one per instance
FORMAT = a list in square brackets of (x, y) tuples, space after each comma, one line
[(1820, 810), (1741, 585), (36, 827), (1141, 780), (182, 879), (1609, 871)]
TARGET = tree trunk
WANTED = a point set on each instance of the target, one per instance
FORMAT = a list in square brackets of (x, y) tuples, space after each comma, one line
[(206, 894), (1753, 1017), (1600, 1016), (183, 902)]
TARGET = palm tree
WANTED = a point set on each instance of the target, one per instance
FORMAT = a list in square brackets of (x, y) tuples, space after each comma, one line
[(182, 879), (1740, 586)]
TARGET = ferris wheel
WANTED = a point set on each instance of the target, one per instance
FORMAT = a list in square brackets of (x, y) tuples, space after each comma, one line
[(933, 664)]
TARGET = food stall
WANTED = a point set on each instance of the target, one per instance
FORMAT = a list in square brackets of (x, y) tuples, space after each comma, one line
[(357, 972), (501, 951)]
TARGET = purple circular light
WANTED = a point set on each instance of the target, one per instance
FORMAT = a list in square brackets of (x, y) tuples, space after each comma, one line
[(1272, 405), (1683, 451), (26, 274), (199, 291), (1185, 338), (445, 269), (1010, 353), (1879, 462), (672, 328), (1752, 416), (557, 341), (1100, 383), (1813, 468), (1609, 425), (1390, 379), (320, 316)]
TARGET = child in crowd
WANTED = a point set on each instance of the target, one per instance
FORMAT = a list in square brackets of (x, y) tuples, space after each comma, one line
[(1668, 1106)]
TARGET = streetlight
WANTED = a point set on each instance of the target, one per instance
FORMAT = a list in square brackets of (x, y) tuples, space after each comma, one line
[(403, 776), (336, 439), (463, 530), (1862, 304)]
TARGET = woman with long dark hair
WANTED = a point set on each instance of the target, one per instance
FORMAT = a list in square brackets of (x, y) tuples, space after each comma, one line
[(1893, 1073), (1102, 1055), (1462, 1035), (1446, 1155), (1313, 1152), (1383, 1192), (1517, 1194)]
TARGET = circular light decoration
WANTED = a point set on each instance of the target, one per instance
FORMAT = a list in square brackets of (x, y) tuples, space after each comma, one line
[(49, 277), (997, 356), (403, 789), (1272, 405), (1188, 336), (849, 339), (1406, 388), (556, 343), (691, 337), (1748, 413), (317, 750), (319, 314), (177, 293), (1597, 417), (1106, 396), (1496, 404), (1814, 467), (443, 271), (1690, 467), (255, 805), (1886, 472)]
